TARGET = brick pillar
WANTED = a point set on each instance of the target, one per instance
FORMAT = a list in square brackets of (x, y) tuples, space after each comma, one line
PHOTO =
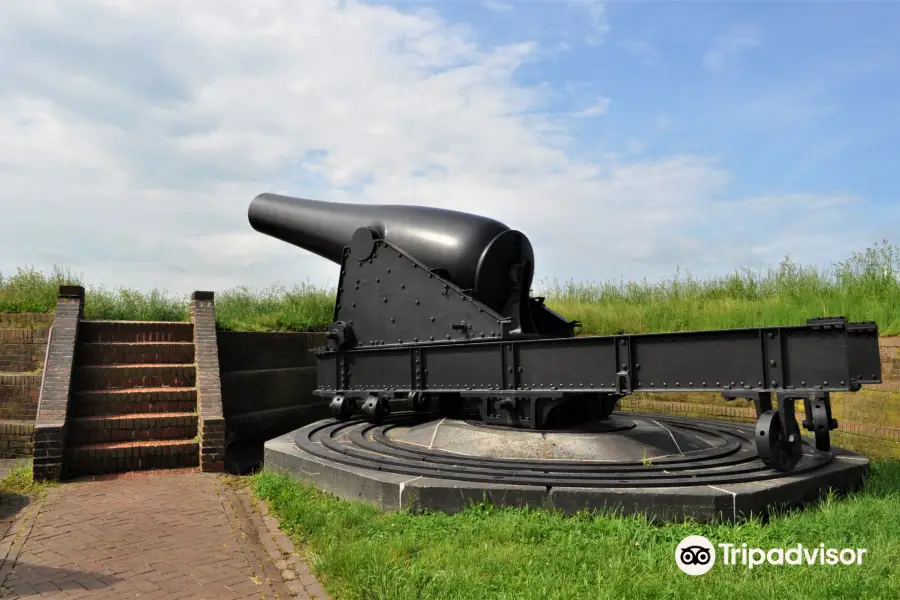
[(209, 386), (50, 426)]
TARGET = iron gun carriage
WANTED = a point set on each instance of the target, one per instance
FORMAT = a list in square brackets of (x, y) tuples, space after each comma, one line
[(433, 308)]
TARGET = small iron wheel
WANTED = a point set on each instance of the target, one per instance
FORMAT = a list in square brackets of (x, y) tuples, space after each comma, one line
[(821, 425), (778, 450), (375, 409), (342, 407)]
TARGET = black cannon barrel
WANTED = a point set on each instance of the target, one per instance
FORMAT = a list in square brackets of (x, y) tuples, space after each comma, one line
[(470, 248)]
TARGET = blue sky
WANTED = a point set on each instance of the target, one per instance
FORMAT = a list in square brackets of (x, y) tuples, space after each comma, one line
[(626, 139), (793, 96)]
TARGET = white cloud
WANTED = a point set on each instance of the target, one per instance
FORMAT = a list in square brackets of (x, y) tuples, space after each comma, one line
[(597, 108), (133, 136), (594, 12), (497, 6), (725, 49)]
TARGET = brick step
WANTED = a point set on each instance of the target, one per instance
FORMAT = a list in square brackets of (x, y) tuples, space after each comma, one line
[(134, 353), (134, 400), (107, 377), (132, 427), (135, 331), (116, 457)]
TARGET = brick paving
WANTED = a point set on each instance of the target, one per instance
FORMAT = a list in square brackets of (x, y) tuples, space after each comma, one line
[(173, 535)]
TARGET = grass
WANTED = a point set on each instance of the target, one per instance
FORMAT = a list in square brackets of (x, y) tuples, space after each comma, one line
[(485, 552), (864, 287), (303, 308), (20, 480)]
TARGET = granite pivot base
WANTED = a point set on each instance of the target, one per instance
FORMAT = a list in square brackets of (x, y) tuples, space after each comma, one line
[(664, 467)]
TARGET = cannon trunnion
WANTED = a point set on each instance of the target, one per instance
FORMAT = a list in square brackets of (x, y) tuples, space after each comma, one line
[(433, 308)]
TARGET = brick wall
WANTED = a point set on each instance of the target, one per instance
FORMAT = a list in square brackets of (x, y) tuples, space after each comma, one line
[(22, 350), (26, 320), (868, 420), (50, 428), (209, 390), (16, 439), (19, 395), (267, 382), (23, 343)]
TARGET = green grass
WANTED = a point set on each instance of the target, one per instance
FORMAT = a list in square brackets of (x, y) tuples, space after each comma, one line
[(864, 287), (20, 480), (303, 308), (359, 552)]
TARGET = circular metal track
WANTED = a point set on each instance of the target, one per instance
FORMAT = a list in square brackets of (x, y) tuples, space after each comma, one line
[(733, 459)]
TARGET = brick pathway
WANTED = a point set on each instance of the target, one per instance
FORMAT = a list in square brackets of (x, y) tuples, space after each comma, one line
[(173, 536)]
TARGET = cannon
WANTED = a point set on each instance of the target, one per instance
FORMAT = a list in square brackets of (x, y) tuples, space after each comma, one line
[(434, 311)]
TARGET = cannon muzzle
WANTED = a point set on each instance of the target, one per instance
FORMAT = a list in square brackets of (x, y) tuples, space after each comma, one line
[(474, 252)]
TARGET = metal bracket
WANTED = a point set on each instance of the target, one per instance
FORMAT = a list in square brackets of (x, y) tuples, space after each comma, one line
[(343, 372), (511, 367), (462, 327), (623, 366), (418, 369), (817, 406), (774, 368), (623, 383)]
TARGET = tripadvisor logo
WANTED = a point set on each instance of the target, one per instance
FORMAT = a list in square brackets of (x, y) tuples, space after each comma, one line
[(696, 555)]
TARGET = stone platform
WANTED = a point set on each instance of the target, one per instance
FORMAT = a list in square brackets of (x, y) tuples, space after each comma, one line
[(665, 467)]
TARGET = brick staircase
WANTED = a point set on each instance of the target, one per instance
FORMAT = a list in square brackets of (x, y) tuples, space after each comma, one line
[(134, 398)]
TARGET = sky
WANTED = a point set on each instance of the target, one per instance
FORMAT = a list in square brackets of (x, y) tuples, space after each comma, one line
[(625, 139)]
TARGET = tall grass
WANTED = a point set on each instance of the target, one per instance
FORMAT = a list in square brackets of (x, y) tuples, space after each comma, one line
[(303, 308), (29, 290), (866, 286)]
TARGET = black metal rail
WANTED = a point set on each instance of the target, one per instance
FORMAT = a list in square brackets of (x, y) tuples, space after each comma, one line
[(819, 357), (359, 444)]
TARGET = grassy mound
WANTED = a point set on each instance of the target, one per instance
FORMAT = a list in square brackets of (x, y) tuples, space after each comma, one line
[(864, 287)]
